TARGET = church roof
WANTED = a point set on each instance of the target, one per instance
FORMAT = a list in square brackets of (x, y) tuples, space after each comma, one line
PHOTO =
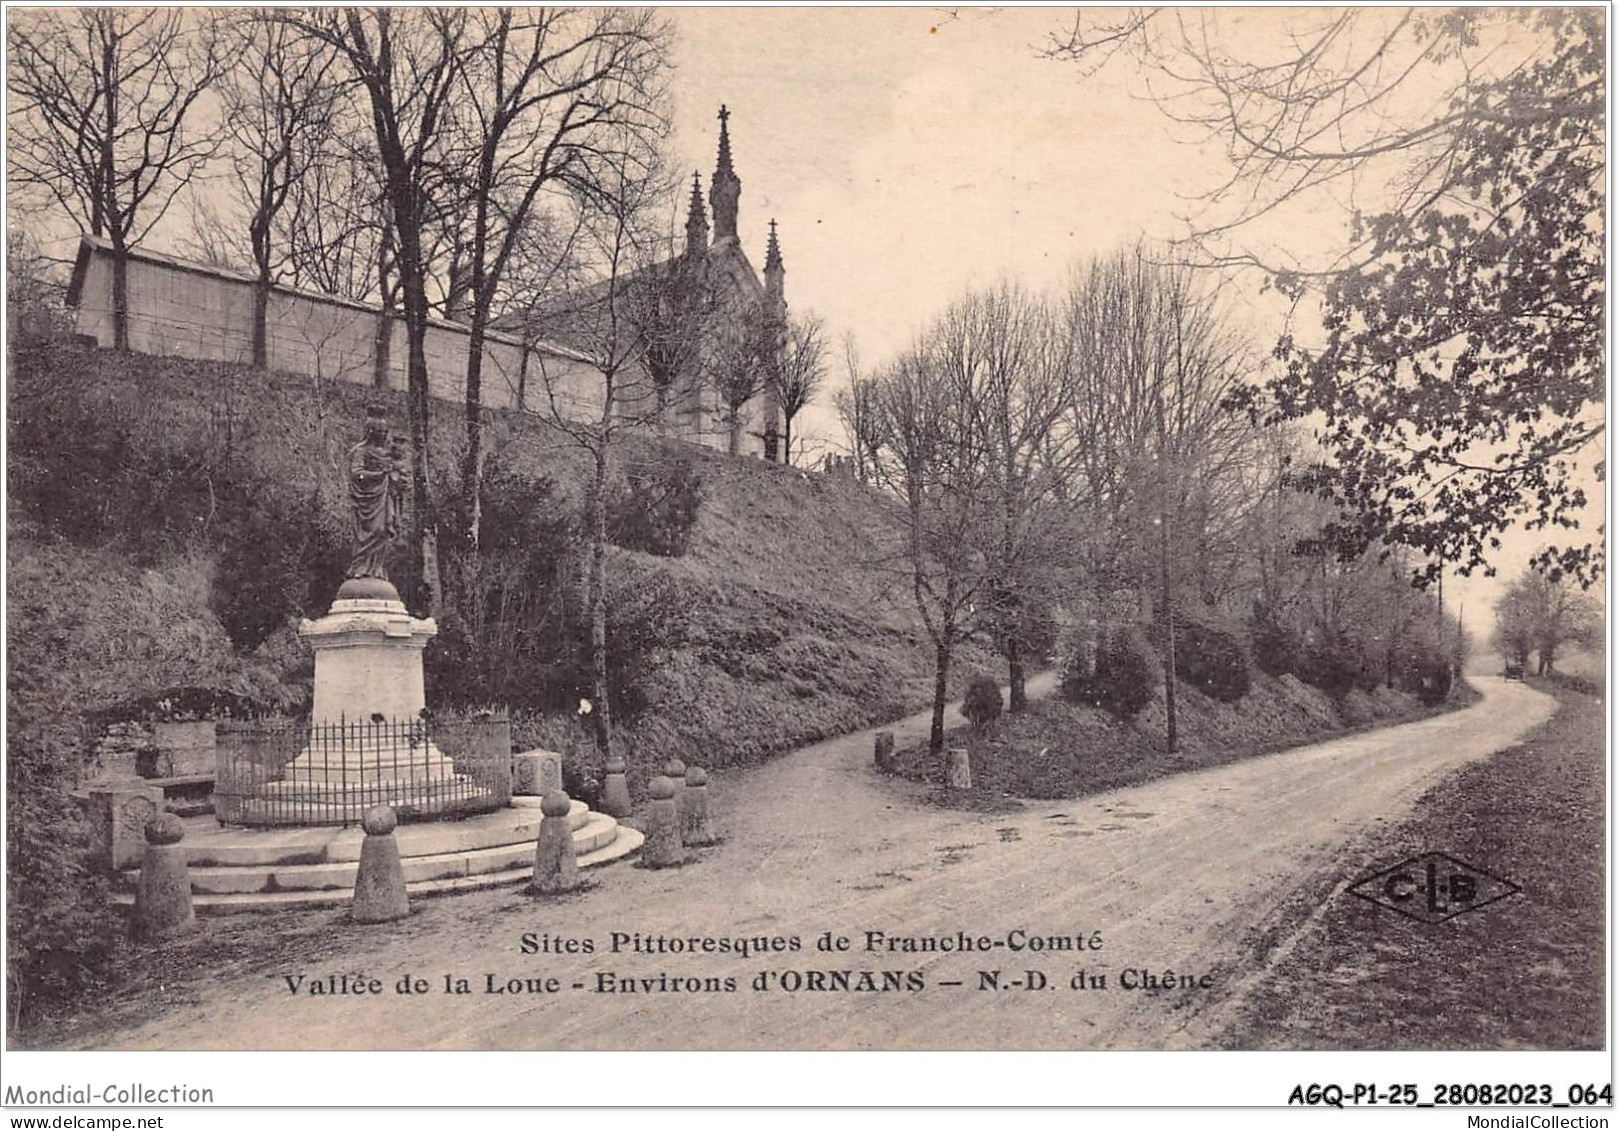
[(723, 259)]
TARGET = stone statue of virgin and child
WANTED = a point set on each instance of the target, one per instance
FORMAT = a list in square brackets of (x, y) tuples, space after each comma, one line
[(376, 480)]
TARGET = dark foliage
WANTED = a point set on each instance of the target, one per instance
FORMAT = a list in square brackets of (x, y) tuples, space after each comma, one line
[(983, 702), (1465, 350), (1210, 659), (78, 465), (1123, 682), (653, 508), (501, 637), (1277, 649), (1335, 666), (1434, 678), (278, 559), (61, 932)]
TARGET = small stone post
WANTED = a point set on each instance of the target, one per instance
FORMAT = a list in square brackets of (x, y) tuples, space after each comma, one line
[(663, 845), (884, 750), (163, 894), (960, 768), (674, 770), (615, 793), (695, 831), (379, 888), (556, 868)]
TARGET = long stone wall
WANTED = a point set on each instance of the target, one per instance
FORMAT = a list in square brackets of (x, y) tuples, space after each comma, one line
[(181, 309)]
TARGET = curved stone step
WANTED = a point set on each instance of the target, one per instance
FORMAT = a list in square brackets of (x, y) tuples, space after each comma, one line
[(624, 843), (238, 847), (597, 831)]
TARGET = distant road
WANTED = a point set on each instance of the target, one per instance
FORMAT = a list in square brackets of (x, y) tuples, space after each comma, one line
[(1172, 874)]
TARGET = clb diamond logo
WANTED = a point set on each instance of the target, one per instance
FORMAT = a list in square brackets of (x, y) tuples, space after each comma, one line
[(1434, 887)]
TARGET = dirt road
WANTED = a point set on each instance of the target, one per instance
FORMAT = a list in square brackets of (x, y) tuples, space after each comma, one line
[(1168, 876)]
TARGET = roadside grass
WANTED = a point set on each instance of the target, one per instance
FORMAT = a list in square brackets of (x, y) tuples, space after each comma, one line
[(1523, 973), (1056, 750)]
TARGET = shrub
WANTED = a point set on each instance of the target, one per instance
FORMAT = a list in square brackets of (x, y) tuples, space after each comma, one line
[(1434, 679), (653, 509), (1333, 666), (983, 702), (1122, 683), (501, 632), (1277, 649), (61, 930), (1211, 660), (277, 560)]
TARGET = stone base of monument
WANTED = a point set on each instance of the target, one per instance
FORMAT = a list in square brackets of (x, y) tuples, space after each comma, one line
[(367, 742), (239, 870)]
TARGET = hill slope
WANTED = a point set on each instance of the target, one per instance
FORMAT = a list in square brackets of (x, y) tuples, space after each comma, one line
[(778, 626)]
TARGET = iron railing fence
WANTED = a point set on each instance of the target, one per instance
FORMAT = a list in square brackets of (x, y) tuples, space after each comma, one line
[(281, 772)]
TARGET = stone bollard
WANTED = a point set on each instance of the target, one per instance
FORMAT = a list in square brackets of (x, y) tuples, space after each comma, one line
[(379, 888), (674, 770), (615, 794), (163, 894), (960, 768), (694, 828), (556, 868), (663, 846), (884, 750)]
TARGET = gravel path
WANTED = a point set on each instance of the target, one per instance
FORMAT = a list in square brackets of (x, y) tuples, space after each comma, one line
[(1171, 875)]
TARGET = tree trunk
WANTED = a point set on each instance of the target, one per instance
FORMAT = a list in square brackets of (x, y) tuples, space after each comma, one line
[(120, 298), (421, 485), (786, 439), (597, 598), (384, 349), (472, 465), (735, 431), (261, 322), (1018, 675), (1173, 735), (935, 738)]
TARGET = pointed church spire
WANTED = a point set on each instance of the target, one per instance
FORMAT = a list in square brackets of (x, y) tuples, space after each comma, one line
[(725, 189), (696, 220), (774, 270)]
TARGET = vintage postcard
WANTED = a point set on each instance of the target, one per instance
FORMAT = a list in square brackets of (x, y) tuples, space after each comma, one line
[(808, 529)]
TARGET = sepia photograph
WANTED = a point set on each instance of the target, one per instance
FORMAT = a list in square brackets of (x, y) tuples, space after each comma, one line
[(807, 529)]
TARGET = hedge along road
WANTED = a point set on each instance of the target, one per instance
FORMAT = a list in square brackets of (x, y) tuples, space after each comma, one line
[(1171, 875)]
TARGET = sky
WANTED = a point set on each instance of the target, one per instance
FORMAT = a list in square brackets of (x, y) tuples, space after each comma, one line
[(911, 154)]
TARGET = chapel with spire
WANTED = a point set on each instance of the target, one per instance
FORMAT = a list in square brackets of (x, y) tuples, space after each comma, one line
[(738, 307), (740, 290)]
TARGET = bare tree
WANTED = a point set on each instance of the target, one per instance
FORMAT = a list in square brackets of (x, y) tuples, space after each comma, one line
[(1160, 450), (1011, 357), (403, 62), (740, 359), (103, 119), (545, 97), (276, 102), (932, 463), (857, 409), (1543, 615), (602, 386), (798, 372)]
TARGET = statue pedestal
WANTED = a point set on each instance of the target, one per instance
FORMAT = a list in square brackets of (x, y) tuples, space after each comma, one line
[(367, 656), (368, 742)]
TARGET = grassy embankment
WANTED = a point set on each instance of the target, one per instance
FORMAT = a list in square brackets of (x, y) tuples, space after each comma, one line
[(1058, 750), (1526, 972), (789, 629)]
